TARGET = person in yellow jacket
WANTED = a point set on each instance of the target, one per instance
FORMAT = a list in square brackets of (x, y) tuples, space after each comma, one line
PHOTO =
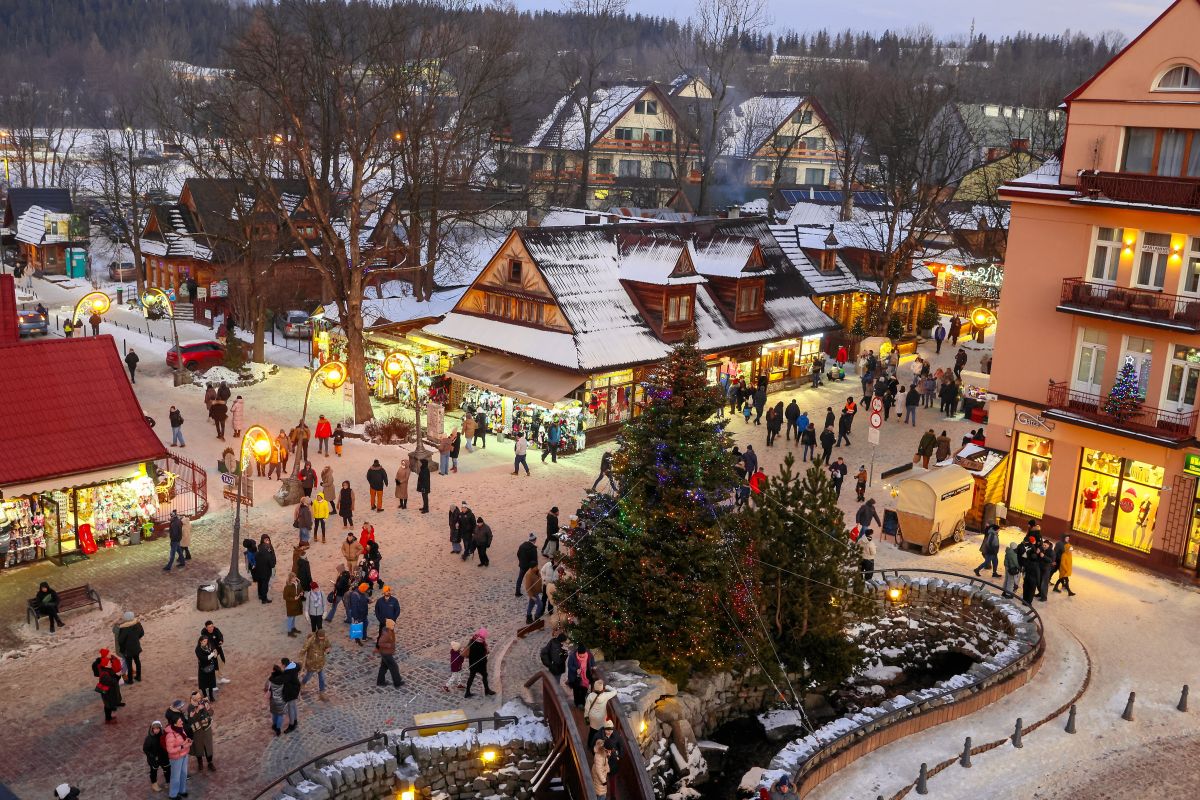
[(320, 512), (1065, 562)]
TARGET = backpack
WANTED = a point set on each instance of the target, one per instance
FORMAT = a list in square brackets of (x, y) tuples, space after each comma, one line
[(554, 657)]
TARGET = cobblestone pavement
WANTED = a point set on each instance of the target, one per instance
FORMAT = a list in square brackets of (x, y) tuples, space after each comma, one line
[(441, 598)]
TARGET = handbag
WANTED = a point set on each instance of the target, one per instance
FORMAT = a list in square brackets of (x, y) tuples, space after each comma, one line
[(332, 594), (356, 630), (917, 457)]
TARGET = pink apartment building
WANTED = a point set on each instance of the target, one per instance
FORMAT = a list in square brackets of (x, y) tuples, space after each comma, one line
[(1103, 282)]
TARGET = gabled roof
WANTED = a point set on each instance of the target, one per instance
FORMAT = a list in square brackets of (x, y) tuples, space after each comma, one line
[(752, 122), (564, 128), (62, 433), (803, 244), (20, 200), (728, 257), (659, 260)]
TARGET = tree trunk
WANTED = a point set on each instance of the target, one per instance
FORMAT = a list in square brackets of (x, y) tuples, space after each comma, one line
[(259, 354), (356, 360)]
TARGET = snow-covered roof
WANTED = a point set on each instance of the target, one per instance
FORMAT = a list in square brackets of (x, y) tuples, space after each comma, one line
[(565, 127), (970, 219), (794, 240), (655, 260), (750, 122), (31, 226), (1048, 174), (725, 256), (400, 307), (564, 217)]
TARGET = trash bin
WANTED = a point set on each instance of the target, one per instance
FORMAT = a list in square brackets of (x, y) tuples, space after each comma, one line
[(120, 295), (206, 598)]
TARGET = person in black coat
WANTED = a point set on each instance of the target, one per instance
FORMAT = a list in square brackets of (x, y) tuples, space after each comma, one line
[(477, 661), (466, 530), (455, 540), (206, 667), (527, 559), (423, 485), (480, 429), (156, 754), (131, 362), (845, 421), (291, 691), (264, 567), (830, 418), (827, 440), (760, 402), (47, 604), (791, 414)]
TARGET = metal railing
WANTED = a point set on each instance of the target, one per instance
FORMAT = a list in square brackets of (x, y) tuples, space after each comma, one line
[(1138, 418), (345, 748), (631, 780), (495, 719), (1143, 305), (576, 769), (185, 492), (1016, 666), (1158, 190)]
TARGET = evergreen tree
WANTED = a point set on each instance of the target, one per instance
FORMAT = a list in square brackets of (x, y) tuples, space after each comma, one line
[(808, 574), (1123, 401), (651, 577)]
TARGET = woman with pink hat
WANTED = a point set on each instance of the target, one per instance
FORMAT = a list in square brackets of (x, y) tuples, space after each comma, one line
[(477, 653)]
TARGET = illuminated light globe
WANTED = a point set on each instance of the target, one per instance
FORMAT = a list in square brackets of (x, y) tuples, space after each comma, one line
[(334, 374), (983, 317)]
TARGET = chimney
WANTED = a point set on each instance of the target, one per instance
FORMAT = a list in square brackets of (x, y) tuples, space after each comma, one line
[(733, 213), (591, 219), (1020, 145)]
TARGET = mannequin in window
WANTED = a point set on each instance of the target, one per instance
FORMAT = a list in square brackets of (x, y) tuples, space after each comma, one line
[(1108, 516), (1091, 504), (1144, 522)]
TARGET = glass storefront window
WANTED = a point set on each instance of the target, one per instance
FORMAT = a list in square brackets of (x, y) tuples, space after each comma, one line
[(1031, 475), (1191, 554), (1117, 499), (609, 398)]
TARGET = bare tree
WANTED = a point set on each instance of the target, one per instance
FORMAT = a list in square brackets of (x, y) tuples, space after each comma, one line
[(41, 137), (714, 54), (847, 94)]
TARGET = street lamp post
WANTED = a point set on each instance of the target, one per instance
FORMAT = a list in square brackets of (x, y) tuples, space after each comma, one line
[(155, 301), (256, 446), (333, 374), (96, 302), (392, 367)]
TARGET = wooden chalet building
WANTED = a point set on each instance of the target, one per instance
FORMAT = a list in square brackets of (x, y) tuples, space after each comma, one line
[(780, 133), (565, 323), (223, 231), (51, 238)]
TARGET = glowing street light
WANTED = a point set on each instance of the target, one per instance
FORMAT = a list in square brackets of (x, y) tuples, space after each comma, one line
[(393, 365), (332, 374), (255, 447), (982, 319), (156, 305), (93, 303)]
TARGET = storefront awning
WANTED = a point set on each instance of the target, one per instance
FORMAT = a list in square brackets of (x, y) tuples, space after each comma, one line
[(67, 481), (524, 380)]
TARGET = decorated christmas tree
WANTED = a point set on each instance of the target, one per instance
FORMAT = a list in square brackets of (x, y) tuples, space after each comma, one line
[(811, 589), (653, 575), (1123, 401)]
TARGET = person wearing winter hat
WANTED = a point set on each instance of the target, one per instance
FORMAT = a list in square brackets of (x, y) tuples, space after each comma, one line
[(527, 559), (129, 645), (357, 606), (156, 754), (107, 669), (65, 791), (385, 645), (477, 661), (315, 605), (387, 607)]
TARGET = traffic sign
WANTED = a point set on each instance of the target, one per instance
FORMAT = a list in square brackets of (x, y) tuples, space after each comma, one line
[(227, 479), (873, 438), (877, 404), (876, 420)]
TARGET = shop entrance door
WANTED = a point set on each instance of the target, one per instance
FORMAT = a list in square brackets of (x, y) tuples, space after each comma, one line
[(1089, 367), (54, 520)]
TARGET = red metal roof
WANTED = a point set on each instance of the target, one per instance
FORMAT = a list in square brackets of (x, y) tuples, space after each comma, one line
[(68, 409), (8, 310)]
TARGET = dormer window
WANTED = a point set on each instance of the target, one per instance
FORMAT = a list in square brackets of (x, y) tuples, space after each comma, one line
[(1180, 78), (679, 309), (514, 270), (749, 299)]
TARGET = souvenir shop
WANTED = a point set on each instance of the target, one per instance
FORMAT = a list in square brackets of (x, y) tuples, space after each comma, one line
[(728, 364), (1117, 499), (789, 361), (508, 416), (98, 510), (431, 358)]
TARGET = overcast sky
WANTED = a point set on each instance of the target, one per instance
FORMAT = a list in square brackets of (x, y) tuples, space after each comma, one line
[(944, 17)]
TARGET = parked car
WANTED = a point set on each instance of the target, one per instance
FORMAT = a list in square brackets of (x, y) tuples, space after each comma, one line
[(293, 324), (31, 323), (121, 271), (197, 355)]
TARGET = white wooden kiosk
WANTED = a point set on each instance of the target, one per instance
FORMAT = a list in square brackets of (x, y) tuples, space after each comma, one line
[(933, 507)]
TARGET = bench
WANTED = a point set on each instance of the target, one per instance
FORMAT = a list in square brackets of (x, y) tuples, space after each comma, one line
[(68, 600)]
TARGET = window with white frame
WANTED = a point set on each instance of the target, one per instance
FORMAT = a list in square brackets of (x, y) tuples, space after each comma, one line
[(1179, 78), (679, 309), (1152, 261), (1138, 351), (814, 177), (1106, 256), (1191, 268)]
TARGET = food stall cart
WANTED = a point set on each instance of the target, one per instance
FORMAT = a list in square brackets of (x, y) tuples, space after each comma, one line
[(932, 507)]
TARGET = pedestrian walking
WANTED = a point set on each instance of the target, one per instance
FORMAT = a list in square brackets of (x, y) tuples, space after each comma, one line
[(837, 474), (273, 690), (943, 447), (129, 646), (341, 587), (454, 681), (345, 505), (156, 754), (237, 415), (468, 432), (264, 567), (990, 548), (960, 361), (774, 423), (452, 518), (1065, 565), (466, 530), (444, 445), (293, 603), (131, 362), (316, 605), (553, 439), (302, 519), (1046, 560), (387, 607), (527, 559), (357, 606), (520, 450), (1031, 568), (323, 433), (291, 692), (955, 329), (176, 420), (808, 441), (925, 448), (1012, 569), (549, 573), (483, 540), (827, 444), (455, 446), (107, 671), (554, 653), (553, 543), (939, 336), (912, 400), (867, 551), (175, 535), (218, 412), (533, 586), (581, 671), (403, 473), (606, 471), (385, 646), (750, 461), (423, 485), (791, 416), (339, 439), (178, 745), (477, 662), (595, 709), (299, 436), (860, 483), (845, 423), (312, 660), (601, 769), (320, 512), (867, 514), (377, 478), (481, 429), (198, 723), (308, 479), (760, 403), (210, 395)]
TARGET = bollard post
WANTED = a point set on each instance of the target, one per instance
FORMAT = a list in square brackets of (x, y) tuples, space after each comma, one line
[(1071, 720), (1127, 715), (1183, 699), (1016, 737), (923, 779), (965, 760)]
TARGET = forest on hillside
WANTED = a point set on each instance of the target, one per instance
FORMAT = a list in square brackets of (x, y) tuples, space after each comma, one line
[(87, 52)]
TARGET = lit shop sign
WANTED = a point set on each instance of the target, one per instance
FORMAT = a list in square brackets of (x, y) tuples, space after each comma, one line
[(1191, 463)]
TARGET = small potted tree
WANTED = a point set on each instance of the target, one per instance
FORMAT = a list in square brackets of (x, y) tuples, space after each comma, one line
[(930, 316)]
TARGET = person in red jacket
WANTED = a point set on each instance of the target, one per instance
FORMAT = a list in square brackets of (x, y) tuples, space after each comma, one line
[(323, 433), (366, 537), (757, 481)]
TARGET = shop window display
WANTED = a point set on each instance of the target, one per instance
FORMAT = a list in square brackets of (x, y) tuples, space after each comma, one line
[(1191, 555), (1030, 475), (1117, 499), (508, 417)]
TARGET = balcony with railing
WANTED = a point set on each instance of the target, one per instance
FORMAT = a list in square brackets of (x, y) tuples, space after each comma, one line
[(1170, 426), (1154, 190), (1144, 306)]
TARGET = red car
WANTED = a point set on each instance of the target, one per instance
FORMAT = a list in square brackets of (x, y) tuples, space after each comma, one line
[(198, 354)]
